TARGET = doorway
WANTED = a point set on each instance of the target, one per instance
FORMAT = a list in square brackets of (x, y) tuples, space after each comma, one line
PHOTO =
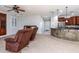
[(47, 24)]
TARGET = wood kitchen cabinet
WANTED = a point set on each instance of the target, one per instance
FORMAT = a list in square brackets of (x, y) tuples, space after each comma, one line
[(2, 24), (74, 20), (77, 20)]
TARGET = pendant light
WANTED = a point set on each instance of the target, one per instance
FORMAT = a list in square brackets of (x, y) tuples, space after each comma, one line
[(66, 14), (57, 12)]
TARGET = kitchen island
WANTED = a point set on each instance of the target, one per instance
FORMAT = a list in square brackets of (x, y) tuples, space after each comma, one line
[(69, 33)]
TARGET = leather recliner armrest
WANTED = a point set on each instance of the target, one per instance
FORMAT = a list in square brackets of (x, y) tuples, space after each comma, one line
[(10, 40)]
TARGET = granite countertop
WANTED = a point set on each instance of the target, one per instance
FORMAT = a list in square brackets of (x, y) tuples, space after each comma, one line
[(77, 28), (68, 27)]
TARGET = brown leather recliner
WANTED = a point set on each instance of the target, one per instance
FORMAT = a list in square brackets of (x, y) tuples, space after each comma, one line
[(35, 28), (21, 39)]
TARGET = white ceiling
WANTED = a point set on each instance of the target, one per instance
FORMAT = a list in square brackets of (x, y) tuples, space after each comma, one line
[(47, 9)]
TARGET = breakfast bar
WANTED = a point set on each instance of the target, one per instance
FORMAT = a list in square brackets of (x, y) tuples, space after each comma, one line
[(69, 33)]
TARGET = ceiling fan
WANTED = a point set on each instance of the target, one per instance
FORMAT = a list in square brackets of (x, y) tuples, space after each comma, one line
[(16, 9)]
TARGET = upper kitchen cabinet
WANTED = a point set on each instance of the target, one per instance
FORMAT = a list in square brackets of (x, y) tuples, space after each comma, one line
[(74, 20), (71, 21), (77, 20)]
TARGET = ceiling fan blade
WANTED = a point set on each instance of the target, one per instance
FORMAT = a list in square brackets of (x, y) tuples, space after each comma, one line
[(21, 10), (17, 11), (10, 10)]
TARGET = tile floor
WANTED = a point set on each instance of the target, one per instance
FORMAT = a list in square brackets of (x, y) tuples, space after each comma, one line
[(45, 43)]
